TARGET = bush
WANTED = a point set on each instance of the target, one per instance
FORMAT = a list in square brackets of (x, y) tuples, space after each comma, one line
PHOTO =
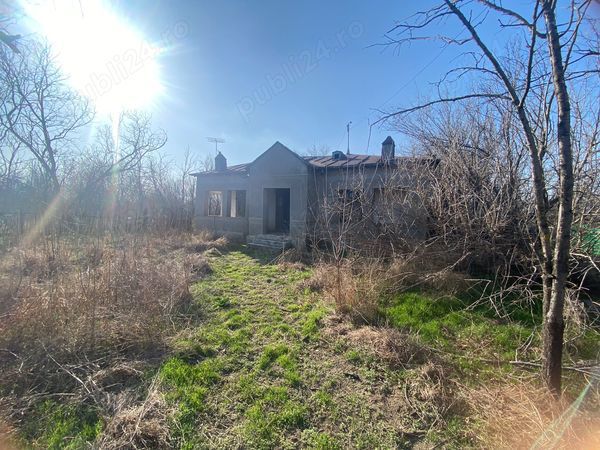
[(81, 308)]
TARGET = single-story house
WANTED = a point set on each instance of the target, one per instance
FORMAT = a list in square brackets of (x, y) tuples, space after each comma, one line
[(277, 198)]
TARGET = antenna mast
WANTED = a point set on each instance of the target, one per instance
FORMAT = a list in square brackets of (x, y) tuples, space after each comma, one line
[(348, 132), (217, 141)]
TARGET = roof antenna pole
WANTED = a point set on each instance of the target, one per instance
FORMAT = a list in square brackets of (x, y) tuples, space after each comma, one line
[(217, 141), (348, 133)]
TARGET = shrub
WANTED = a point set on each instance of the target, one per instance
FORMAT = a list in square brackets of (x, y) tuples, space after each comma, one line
[(79, 308)]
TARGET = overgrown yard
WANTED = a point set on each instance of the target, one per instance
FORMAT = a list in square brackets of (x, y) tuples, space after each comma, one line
[(265, 370), (259, 358)]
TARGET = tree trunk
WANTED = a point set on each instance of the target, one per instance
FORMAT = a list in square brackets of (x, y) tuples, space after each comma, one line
[(554, 326)]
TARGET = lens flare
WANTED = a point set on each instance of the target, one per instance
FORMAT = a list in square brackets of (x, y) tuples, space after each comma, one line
[(105, 58)]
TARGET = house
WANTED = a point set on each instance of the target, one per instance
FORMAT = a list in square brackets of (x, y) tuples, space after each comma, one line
[(279, 198)]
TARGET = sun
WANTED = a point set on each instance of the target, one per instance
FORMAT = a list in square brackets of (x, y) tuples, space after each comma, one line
[(105, 58)]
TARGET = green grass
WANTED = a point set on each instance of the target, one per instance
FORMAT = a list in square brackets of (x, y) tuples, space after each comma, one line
[(256, 372), (445, 324), (62, 426), (475, 336), (259, 373), (250, 371)]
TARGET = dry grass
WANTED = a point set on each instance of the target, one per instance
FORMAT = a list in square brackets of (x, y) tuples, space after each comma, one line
[(72, 313), (519, 414), (427, 397), (139, 425), (499, 414), (357, 286), (426, 402), (355, 292), (7, 437), (398, 350)]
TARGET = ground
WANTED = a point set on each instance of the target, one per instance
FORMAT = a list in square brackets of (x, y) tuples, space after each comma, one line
[(259, 372), (267, 362)]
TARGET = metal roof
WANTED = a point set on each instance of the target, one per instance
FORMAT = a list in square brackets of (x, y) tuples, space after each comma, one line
[(349, 161), (322, 162), (237, 169)]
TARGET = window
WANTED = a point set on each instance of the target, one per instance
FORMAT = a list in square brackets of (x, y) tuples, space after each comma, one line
[(345, 195), (349, 197), (215, 203), (350, 205), (237, 205)]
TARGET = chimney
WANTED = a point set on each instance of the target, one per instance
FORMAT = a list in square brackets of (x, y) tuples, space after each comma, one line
[(336, 154), (388, 149), (220, 163)]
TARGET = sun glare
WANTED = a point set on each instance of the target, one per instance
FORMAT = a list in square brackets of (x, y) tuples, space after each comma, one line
[(105, 58)]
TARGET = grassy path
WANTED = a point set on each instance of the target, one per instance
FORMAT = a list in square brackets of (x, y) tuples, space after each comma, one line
[(259, 373)]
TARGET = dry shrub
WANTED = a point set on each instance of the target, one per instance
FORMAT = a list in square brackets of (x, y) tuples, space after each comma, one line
[(398, 350), (138, 425), (42, 262), (317, 281), (119, 376), (128, 301), (358, 284), (293, 259), (427, 270), (355, 292), (200, 267), (523, 415), (66, 329), (285, 265), (206, 240)]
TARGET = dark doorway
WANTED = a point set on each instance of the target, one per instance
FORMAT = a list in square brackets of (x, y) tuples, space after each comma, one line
[(276, 213), (282, 210)]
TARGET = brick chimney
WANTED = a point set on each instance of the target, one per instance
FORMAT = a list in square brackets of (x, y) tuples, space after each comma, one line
[(220, 163), (388, 149)]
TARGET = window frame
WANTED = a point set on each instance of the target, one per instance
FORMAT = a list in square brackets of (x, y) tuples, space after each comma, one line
[(240, 204), (209, 205)]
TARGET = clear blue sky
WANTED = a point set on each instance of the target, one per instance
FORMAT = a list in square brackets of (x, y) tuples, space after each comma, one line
[(256, 72)]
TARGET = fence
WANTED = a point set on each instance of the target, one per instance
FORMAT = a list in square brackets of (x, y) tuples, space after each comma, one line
[(14, 226)]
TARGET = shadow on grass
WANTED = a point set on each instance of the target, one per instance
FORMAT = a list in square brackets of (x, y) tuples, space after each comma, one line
[(261, 256)]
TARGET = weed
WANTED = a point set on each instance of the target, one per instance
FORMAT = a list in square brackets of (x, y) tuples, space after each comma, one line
[(270, 354), (56, 426), (312, 324), (319, 441)]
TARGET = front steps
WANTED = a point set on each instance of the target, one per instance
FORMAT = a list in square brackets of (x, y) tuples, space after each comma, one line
[(270, 242)]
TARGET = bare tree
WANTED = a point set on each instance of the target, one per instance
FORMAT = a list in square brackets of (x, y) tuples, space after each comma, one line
[(40, 111), (189, 165), (473, 197), (208, 162), (114, 168), (318, 150), (533, 80)]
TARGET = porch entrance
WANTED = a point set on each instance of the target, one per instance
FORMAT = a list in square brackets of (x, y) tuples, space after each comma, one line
[(276, 211)]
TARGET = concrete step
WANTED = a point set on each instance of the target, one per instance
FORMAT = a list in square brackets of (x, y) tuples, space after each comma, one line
[(270, 242), (272, 237)]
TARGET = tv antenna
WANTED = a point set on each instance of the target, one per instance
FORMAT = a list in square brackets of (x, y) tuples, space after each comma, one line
[(217, 141), (348, 131)]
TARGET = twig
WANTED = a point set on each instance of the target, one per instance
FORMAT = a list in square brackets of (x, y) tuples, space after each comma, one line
[(575, 369)]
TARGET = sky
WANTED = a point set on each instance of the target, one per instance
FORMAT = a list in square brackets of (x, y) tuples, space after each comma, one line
[(252, 73)]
